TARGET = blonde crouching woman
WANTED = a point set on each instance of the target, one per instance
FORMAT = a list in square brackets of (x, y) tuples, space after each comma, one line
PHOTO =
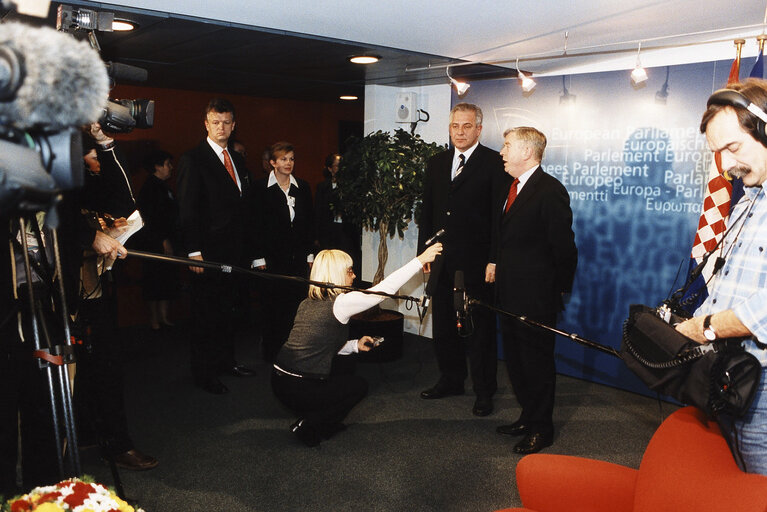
[(302, 378)]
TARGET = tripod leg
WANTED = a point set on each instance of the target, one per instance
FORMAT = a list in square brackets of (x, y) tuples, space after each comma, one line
[(66, 391), (106, 453), (33, 310)]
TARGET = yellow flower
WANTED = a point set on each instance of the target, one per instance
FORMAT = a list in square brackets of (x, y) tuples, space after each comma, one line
[(49, 507), (124, 507)]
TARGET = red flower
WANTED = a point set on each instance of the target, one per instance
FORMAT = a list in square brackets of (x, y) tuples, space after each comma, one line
[(49, 496), (79, 495), (21, 506)]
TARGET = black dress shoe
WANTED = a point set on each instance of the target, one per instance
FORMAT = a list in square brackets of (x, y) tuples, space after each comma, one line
[(241, 371), (215, 387), (441, 391), (305, 433), (515, 429), (135, 460), (533, 443), (482, 407)]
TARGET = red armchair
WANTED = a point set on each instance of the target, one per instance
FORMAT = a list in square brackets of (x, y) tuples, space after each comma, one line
[(686, 466)]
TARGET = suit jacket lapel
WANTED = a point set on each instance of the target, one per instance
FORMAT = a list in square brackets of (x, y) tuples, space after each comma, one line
[(279, 202), (467, 167), (242, 172), (527, 192), (217, 167), (442, 177)]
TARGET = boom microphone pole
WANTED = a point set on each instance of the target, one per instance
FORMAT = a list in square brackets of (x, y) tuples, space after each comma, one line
[(232, 269), (572, 336), (468, 301)]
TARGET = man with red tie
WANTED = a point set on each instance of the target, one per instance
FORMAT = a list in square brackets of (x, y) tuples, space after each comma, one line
[(535, 258), (212, 189)]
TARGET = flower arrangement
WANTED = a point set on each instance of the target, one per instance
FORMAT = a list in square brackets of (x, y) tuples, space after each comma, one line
[(74, 494)]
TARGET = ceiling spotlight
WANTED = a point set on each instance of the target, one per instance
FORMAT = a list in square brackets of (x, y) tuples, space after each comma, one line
[(528, 84), (460, 87), (348, 97), (121, 25), (364, 59), (638, 75)]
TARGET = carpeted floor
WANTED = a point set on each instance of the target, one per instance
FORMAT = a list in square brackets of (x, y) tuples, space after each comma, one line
[(400, 453)]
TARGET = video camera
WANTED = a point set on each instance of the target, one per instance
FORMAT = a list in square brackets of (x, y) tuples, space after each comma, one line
[(119, 115), (51, 84)]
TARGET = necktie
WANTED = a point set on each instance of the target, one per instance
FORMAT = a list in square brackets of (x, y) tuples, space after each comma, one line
[(461, 161), (229, 166), (512, 195)]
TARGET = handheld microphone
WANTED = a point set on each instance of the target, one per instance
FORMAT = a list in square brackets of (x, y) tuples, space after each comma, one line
[(439, 234), (56, 81), (459, 300)]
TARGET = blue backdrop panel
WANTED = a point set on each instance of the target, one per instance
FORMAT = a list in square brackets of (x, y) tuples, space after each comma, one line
[(635, 170)]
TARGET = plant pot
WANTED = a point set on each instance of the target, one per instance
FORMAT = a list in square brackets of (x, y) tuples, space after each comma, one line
[(379, 322)]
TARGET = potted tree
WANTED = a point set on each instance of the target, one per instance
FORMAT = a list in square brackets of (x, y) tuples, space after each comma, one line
[(380, 187)]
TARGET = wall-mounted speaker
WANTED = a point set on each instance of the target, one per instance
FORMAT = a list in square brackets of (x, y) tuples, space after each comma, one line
[(407, 109)]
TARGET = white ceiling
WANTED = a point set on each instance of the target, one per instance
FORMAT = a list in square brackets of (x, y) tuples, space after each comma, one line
[(501, 31)]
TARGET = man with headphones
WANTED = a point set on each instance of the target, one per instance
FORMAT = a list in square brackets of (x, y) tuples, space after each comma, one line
[(736, 308)]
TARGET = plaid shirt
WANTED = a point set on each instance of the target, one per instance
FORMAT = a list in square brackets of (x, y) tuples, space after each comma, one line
[(741, 284)]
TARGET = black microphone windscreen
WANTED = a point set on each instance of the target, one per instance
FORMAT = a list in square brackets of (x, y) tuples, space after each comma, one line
[(65, 80), (120, 72)]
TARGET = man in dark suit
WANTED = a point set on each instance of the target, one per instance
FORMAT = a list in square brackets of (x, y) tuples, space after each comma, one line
[(213, 186), (458, 198), (536, 258)]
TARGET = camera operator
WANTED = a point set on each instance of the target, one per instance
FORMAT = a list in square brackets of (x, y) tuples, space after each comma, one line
[(26, 412), (99, 393)]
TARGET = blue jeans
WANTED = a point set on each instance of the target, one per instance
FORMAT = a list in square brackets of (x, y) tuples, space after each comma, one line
[(750, 434)]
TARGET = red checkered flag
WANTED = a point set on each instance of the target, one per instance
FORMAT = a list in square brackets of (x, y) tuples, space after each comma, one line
[(716, 209)]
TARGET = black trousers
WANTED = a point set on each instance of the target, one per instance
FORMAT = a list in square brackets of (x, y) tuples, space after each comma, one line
[(99, 388), (216, 307), (451, 349), (322, 404), (529, 353)]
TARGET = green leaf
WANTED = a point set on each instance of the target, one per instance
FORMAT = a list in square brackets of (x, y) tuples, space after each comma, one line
[(380, 181)]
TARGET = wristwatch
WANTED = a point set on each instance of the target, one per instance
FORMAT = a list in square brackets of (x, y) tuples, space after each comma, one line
[(708, 330)]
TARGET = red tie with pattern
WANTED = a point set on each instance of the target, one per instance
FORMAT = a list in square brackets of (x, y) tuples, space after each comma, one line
[(229, 166), (512, 195)]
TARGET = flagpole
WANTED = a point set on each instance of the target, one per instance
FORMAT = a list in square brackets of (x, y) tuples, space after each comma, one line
[(735, 68)]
